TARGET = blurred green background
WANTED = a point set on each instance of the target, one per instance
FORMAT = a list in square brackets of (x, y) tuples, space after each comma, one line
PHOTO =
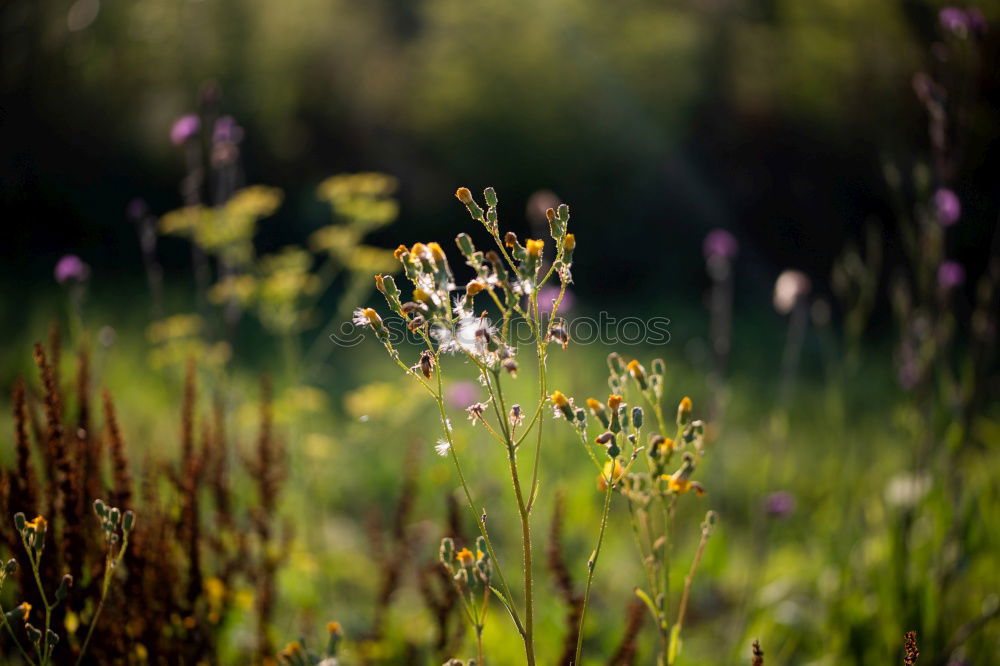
[(656, 122)]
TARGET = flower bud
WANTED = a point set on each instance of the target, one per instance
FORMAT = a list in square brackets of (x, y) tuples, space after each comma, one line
[(637, 417), (490, 195), (19, 521), (10, 568), (34, 635), (64, 585), (616, 364), (638, 373), (447, 552), (598, 410), (684, 411), (129, 522), (465, 245)]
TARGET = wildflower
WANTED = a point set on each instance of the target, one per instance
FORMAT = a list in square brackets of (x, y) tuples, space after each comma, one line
[(559, 334), (227, 130), (516, 416), (421, 296), (442, 447), (510, 365), (638, 373), (474, 287), (720, 244), (684, 411), (947, 207), (400, 251), (613, 402), (465, 557), (184, 129), (367, 317), (561, 405), (950, 274), (334, 628), (607, 440), (677, 484), (460, 394), (475, 411), (426, 363), (569, 243), (23, 610), (779, 504), (464, 195), (39, 524), (660, 446), (534, 248), (612, 468), (71, 269), (598, 410), (510, 239), (790, 286)]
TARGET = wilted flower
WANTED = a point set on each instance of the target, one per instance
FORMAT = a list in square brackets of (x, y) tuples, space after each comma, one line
[(947, 206), (71, 268), (779, 504), (184, 129), (720, 243), (442, 447), (790, 286), (950, 274)]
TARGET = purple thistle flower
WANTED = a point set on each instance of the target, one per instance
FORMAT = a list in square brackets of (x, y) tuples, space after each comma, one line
[(184, 129), (954, 20), (548, 294), (779, 504), (460, 395), (71, 268), (950, 274), (720, 243), (948, 206), (226, 130)]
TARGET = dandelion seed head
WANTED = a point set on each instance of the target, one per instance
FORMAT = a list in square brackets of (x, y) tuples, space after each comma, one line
[(442, 447)]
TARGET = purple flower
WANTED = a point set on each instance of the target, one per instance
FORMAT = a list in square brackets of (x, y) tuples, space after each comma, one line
[(954, 20), (977, 22), (779, 504), (720, 243), (185, 128), (948, 207), (226, 130), (460, 395), (548, 294), (136, 209), (71, 269), (950, 274)]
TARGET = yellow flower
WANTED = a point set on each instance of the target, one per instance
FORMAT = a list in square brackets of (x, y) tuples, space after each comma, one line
[(421, 295), (614, 401), (39, 524), (465, 557), (334, 628), (559, 400), (569, 242), (684, 411), (464, 195), (677, 484), (25, 609), (473, 287), (400, 251), (534, 247), (602, 480), (436, 251), (594, 405), (373, 317)]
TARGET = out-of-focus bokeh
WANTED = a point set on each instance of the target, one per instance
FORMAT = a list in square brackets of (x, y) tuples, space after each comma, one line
[(807, 190)]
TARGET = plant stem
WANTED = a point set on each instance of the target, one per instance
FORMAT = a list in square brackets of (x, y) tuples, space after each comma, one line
[(592, 564)]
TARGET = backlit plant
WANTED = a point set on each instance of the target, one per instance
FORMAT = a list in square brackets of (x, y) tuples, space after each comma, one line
[(446, 320)]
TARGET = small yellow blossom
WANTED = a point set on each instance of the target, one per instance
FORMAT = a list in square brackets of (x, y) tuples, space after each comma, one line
[(436, 251), (677, 484), (473, 288), (569, 242), (559, 400), (602, 480), (465, 557), (334, 628), (614, 401), (25, 609), (595, 406), (421, 295), (464, 195), (39, 524), (400, 251), (534, 247), (372, 316)]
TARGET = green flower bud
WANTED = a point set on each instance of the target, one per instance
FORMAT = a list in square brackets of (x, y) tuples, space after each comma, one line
[(64, 585), (491, 197), (19, 521), (637, 417), (129, 522)]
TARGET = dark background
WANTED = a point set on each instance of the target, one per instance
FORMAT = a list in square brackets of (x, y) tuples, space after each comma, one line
[(656, 121)]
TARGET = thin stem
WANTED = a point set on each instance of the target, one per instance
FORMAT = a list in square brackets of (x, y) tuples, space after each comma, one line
[(592, 563), (109, 569), (13, 637)]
